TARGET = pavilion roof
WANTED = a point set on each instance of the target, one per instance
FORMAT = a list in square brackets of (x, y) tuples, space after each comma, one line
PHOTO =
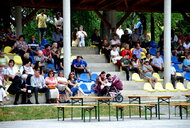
[(119, 5)]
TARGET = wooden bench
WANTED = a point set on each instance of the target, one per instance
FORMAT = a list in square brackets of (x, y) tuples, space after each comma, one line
[(181, 105), (85, 108)]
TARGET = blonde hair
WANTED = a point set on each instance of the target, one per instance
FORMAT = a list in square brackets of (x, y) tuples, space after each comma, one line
[(54, 44), (26, 54)]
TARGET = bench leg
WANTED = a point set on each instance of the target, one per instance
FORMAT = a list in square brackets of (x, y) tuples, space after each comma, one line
[(58, 114), (63, 113), (83, 114), (116, 113), (95, 107)]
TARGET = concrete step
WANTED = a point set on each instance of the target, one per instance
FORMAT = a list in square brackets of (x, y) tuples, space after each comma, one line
[(84, 50), (94, 58), (99, 67)]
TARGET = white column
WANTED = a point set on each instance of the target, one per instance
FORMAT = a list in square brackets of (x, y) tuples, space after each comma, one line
[(167, 40), (67, 37), (18, 19)]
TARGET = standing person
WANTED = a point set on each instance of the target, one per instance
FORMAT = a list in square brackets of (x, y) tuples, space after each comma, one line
[(157, 63), (135, 37), (56, 55), (95, 38), (144, 39), (128, 29), (58, 21), (119, 31), (57, 37), (139, 26), (81, 35), (41, 22), (125, 39), (125, 64), (75, 39), (115, 42), (38, 84)]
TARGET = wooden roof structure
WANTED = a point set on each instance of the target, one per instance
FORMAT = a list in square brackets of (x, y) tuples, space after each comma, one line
[(119, 5)]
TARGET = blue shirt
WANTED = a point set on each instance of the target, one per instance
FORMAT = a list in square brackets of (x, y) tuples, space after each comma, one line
[(186, 62)]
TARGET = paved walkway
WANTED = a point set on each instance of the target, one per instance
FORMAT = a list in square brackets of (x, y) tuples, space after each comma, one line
[(134, 122)]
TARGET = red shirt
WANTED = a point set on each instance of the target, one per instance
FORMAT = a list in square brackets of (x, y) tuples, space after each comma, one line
[(46, 53), (126, 52)]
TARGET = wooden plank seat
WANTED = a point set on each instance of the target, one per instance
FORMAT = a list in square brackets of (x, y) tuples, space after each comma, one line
[(85, 108), (182, 106)]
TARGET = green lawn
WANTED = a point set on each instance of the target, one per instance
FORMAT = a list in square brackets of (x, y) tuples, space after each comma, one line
[(48, 112)]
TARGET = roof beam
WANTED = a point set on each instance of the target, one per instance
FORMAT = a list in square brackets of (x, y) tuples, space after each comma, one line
[(123, 19), (126, 4), (103, 19), (112, 3), (29, 17)]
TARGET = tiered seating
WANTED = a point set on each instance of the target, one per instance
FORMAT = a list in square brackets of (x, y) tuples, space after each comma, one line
[(17, 60), (175, 60), (7, 50), (136, 77), (177, 68), (148, 87), (169, 87), (158, 87), (187, 76), (181, 87), (84, 77), (156, 75), (85, 89), (93, 77)]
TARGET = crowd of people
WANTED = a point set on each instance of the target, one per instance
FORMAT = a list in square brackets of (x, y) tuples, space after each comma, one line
[(123, 48)]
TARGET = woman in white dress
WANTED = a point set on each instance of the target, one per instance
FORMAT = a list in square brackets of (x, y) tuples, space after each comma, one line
[(51, 82), (11, 71)]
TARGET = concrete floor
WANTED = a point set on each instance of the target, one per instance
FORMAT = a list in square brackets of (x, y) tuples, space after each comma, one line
[(134, 122)]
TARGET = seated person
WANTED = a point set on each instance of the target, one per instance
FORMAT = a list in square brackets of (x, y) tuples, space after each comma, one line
[(157, 63), (79, 66), (63, 88), (115, 57), (125, 64), (100, 84), (51, 82), (18, 87), (39, 86), (147, 73), (106, 48), (26, 68), (126, 51), (115, 42), (148, 58), (33, 46), (40, 57), (11, 70), (175, 78), (20, 47), (186, 63), (55, 55), (135, 64), (3, 94), (10, 37), (57, 37), (47, 54), (74, 86), (137, 51), (3, 60), (27, 58)]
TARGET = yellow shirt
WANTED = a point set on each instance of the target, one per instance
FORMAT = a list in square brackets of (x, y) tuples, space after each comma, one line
[(41, 20)]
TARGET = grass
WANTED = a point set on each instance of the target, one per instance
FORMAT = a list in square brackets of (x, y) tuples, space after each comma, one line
[(48, 112)]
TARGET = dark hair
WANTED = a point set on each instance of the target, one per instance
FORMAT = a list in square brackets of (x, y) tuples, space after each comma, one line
[(21, 36), (46, 46), (10, 61), (134, 57), (103, 72), (51, 72), (26, 62), (36, 66), (108, 75)]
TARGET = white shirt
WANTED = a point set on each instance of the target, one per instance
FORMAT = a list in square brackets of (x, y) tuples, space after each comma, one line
[(81, 35), (129, 31), (59, 22), (119, 32), (63, 79), (29, 70), (157, 61), (172, 70), (12, 71), (114, 53), (187, 46)]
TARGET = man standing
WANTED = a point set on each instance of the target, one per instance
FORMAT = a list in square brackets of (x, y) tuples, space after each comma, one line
[(38, 84), (41, 22), (81, 35)]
